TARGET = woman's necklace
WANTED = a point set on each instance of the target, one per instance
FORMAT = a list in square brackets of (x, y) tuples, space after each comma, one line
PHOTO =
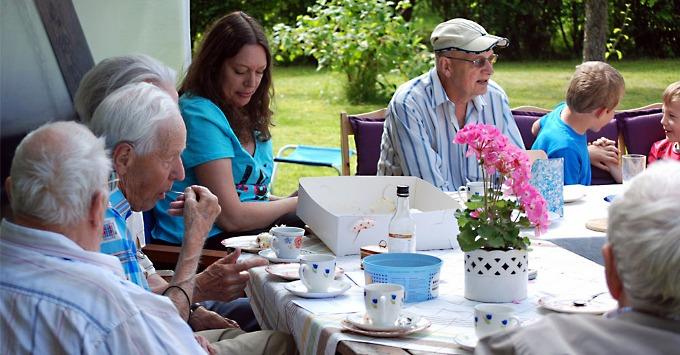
[(676, 147)]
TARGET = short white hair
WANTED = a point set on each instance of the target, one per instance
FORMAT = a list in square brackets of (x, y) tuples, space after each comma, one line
[(644, 231), (56, 171), (113, 73), (133, 114)]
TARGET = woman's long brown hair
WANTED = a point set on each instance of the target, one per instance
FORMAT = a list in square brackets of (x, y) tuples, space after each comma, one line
[(224, 40)]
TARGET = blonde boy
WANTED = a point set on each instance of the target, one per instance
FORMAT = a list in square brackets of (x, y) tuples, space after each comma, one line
[(593, 94), (669, 148)]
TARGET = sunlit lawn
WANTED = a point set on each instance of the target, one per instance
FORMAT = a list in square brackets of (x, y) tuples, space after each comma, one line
[(308, 103)]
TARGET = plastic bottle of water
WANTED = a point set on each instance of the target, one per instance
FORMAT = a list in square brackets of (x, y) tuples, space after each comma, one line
[(402, 227)]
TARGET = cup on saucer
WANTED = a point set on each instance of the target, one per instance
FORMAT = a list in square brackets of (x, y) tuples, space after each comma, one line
[(383, 303), (286, 241), (470, 189), (492, 318), (317, 271)]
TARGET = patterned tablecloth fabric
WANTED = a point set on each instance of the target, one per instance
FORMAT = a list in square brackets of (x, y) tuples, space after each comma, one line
[(560, 273)]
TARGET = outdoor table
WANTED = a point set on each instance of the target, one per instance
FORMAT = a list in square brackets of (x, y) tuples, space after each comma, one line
[(570, 231), (315, 323)]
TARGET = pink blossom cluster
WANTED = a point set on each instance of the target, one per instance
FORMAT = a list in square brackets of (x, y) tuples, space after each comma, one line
[(496, 154)]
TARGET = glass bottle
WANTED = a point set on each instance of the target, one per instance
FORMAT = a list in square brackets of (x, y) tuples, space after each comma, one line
[(402, 227)]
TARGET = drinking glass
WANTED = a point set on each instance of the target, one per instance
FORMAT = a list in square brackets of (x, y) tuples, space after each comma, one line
[(631, 165)]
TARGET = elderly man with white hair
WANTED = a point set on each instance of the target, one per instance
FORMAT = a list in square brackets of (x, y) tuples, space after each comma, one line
[(642, 268), (58, 294), (224, 280)]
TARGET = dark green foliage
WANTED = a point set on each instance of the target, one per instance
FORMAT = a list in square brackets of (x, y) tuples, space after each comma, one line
[(554, 28)]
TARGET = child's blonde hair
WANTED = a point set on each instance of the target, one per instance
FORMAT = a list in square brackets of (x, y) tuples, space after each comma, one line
[(595, 85), (672, 93)]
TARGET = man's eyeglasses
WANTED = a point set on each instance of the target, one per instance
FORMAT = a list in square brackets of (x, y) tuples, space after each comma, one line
[(113, 184), (480, 62)]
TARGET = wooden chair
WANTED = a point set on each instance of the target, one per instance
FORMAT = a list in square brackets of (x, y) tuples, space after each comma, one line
[(353, 125)]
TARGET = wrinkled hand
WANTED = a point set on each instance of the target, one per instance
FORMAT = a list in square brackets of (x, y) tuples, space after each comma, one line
[(603, 154), (205, 344), (204, 319), (199, 208), (225, 279)]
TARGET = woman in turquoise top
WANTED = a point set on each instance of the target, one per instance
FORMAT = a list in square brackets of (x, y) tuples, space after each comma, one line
[(225, 105)]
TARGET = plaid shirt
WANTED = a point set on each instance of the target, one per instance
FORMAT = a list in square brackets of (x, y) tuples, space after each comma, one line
[(117, 240)]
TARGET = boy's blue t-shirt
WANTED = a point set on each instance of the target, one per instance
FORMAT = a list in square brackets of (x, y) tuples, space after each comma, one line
[(210, 137), (558, 139)]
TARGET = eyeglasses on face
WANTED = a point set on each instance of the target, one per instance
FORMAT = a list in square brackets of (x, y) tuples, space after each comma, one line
[(479, 62)]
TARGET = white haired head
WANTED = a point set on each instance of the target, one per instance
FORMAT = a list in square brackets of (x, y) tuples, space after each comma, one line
[(133, 114), (644, 232), (113, 73), (56, 171)]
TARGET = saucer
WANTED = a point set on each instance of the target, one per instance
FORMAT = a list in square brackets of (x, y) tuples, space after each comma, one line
[(337, 287), (420, 325), (573, 193), (553, 216), (291, 272), (362, 321), (466, 341), (598, 305), (247, 243), (271, 256)]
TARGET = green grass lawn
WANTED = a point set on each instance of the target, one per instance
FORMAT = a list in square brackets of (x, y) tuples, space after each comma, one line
[(308, 103)]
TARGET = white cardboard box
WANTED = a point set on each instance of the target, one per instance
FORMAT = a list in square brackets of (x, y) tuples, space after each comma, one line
[(332, 206)]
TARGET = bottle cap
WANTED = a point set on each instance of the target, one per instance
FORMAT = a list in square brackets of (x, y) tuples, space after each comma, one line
[(402, 190)]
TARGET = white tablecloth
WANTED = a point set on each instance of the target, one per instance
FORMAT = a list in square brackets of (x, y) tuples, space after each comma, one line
[(559, 273)]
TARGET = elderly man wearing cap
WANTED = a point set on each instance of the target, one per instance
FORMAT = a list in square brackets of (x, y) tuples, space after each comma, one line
[(426, 112)]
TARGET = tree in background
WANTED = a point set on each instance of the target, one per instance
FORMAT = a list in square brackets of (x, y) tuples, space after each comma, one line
[(595, 32), (555, 28), (369, 41)]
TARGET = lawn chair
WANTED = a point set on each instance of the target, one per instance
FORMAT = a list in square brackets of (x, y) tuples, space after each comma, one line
[(308, 155), (367, 130)]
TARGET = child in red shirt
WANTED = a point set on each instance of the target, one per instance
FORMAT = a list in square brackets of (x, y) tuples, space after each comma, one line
[(669, 148)]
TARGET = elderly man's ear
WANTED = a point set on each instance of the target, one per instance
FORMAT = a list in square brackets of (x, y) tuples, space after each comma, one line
[(98, 206), (122, 156), (8, 188), (611, 274)]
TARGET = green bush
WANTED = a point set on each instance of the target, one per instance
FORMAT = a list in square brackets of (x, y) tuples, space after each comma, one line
[(368, 41)]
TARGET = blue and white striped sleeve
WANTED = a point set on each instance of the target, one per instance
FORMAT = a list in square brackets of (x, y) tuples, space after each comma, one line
[(413, 142)]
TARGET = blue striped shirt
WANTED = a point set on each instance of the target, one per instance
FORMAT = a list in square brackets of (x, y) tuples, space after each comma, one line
[(56, 298), (420, 126), (118, 240)]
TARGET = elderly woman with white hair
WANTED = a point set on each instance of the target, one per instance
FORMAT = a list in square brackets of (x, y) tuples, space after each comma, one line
[(223, 281), (642, 268), (113, 73)]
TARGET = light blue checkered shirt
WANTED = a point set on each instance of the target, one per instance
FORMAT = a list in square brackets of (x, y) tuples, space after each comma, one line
[(420, 126), (118, 241)]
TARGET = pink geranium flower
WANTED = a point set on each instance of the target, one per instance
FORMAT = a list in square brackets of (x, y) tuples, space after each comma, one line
[(489, 219)]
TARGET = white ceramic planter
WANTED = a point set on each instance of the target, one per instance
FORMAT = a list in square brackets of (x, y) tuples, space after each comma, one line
[(496, 276)]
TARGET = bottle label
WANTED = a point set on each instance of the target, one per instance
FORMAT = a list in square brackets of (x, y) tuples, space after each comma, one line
[(400, 243)]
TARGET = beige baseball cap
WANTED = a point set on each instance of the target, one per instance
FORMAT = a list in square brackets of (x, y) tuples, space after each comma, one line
[(464, 35)]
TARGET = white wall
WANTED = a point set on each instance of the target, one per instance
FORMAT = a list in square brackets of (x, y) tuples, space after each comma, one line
[(159, 28)]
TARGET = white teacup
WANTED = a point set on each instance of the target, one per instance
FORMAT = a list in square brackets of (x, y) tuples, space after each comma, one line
[(491, 318), (287, 241), (317, 271), (471, 188), (383, 303)]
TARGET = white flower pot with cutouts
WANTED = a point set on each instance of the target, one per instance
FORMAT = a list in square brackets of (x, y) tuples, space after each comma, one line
[(498, 276)]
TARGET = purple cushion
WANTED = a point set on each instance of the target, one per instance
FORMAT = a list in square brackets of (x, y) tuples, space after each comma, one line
[(524, 120), (367, 136), (641, 129)]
